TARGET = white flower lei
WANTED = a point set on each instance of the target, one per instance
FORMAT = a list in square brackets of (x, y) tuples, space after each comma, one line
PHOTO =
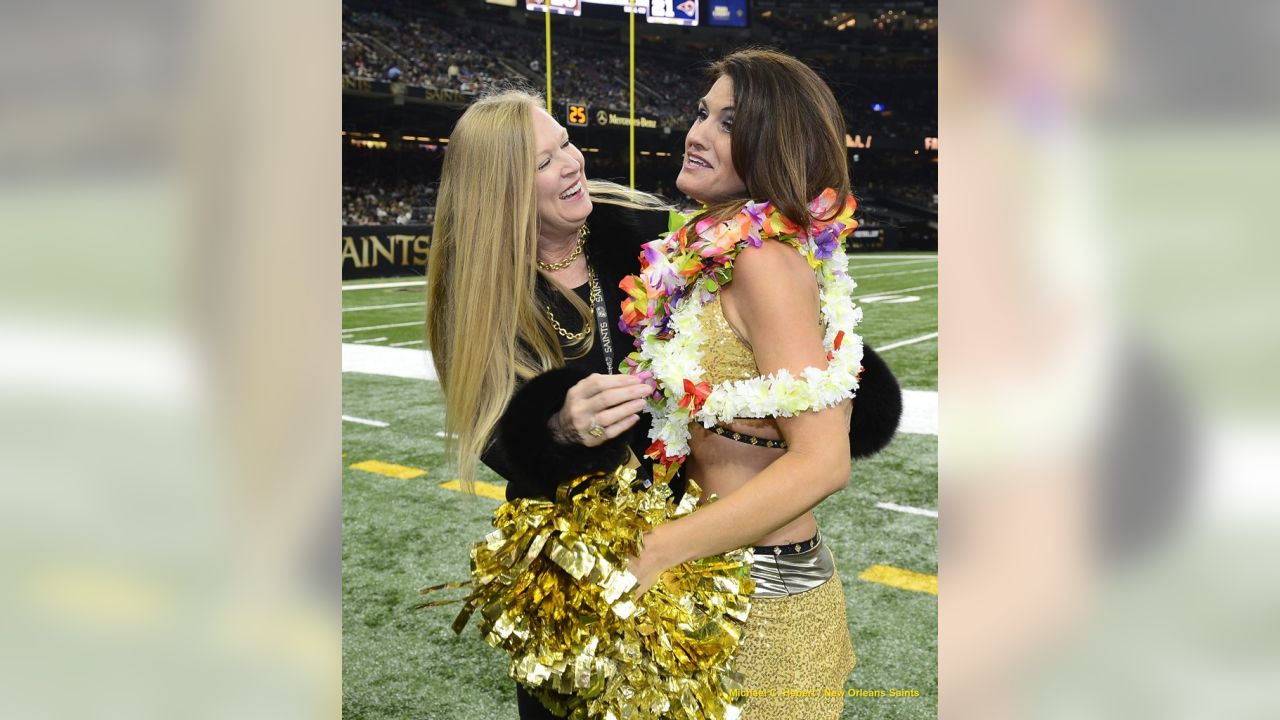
[(780, 394)]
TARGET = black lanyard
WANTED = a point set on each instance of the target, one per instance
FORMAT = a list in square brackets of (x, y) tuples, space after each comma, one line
[(602, 318)]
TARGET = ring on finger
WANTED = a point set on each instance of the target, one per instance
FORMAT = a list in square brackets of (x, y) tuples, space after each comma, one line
[(596, 431)]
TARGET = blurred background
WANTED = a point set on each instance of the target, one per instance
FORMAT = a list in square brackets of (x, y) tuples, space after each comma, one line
[(1109, 414), (170, 388)]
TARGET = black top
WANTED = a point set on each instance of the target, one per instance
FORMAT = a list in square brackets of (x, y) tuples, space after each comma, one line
[(522, 451), (593, 360)]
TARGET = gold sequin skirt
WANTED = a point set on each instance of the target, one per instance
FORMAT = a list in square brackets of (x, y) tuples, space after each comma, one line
[(796, 654)]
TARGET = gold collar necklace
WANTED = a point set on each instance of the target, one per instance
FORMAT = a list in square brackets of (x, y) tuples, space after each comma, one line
[(583, 232)]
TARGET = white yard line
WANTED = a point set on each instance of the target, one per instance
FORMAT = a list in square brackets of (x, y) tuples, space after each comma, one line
[(383, 307), (348, 331), (406, 342), (371, 340), (887, 264), (895, 292), (919, 407), (380, 286), (919, 412), (904, 343), (383, 360), (907, 509), (883, 256), (363, 421), (889, 274)]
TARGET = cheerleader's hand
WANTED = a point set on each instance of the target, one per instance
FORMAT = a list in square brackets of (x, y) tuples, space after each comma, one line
[(645, 576), (599, 408), (648, 566)]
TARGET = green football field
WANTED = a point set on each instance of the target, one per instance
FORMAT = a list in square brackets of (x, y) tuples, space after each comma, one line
[(404, 529)]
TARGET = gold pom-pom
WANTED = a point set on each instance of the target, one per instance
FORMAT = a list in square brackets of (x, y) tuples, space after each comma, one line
[(552, 590)]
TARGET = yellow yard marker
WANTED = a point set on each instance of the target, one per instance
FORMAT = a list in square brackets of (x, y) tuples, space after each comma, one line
[(901, 579), (484, 489), (390, 470)]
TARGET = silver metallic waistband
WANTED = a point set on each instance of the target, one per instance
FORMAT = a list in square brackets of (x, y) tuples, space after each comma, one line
[(779, 575)]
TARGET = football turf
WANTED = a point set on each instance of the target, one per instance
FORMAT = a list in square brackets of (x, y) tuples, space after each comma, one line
[(403, 533)]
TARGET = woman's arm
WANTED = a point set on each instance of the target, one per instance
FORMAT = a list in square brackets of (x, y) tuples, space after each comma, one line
[(534, 447), (773, 300)]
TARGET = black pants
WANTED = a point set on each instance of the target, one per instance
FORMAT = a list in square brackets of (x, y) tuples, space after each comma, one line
[(530, 707)]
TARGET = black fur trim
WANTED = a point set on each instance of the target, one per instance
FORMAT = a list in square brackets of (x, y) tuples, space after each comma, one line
[(539, 463), (616, 236), (877, 407)]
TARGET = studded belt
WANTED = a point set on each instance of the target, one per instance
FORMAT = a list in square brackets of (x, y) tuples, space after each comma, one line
[(783, 570)]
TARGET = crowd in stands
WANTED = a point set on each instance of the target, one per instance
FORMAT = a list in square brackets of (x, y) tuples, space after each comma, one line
[(473, 57), (447, 52), (444, 50), (380, 202), (377, 202), (378, 47), (919, 196)]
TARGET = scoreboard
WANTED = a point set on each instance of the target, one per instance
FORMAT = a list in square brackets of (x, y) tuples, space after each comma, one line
[(559, 7), (665, 12), (576, 114), (673, 12)]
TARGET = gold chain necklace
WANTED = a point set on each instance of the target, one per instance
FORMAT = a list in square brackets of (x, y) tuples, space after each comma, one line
[(583, 232), (595, 295)]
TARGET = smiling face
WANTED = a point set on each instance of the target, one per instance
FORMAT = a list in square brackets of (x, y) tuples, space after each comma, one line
[(708, 174), (561, 183)]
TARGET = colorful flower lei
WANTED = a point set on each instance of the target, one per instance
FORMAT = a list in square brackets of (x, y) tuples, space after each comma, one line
[(682, 271)]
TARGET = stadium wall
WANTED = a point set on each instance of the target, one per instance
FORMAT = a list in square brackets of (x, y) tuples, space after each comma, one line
[(371, 251)]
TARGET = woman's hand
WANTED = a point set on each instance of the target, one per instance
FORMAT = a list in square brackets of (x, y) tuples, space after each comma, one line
[(601, 407)]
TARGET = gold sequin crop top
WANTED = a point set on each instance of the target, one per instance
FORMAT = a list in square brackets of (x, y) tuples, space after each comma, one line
[(725, 356)]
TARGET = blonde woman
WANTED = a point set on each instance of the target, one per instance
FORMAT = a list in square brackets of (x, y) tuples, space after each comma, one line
[(523, 304)]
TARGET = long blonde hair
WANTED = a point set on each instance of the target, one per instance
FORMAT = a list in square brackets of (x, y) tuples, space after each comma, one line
[(485, 324)]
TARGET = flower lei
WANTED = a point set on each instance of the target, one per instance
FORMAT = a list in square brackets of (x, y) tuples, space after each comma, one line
[(682, 271)]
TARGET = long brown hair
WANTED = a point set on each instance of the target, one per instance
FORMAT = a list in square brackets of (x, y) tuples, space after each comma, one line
[(788, 133), (485, 323)]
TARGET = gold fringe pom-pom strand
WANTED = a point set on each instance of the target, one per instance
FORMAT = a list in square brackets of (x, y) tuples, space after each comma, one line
[(551, 588)]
